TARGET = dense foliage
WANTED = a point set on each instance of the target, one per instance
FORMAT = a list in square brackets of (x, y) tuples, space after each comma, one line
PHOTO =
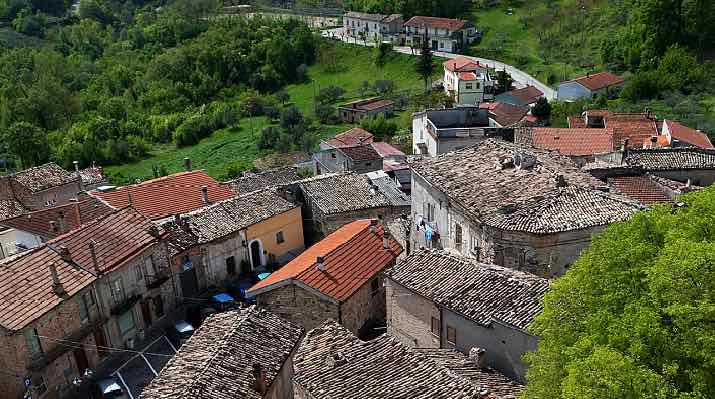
[(634, 316), (103, 88)]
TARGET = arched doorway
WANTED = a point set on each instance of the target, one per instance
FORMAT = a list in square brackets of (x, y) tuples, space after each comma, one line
[(256, 251)]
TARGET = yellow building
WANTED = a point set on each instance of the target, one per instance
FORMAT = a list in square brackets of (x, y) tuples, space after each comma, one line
[(246, 234)]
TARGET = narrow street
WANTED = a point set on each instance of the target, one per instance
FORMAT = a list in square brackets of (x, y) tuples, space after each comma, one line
[(521, 78)]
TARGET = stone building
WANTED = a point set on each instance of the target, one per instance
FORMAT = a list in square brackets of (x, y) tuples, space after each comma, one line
[(241, 235), (40, 187), (338, 278), (443, 34), (437, 131), (332, 363), (276, 177), (101, 284), (511, 205), (439, 300), (355, 111), (236, 354), (359, 159), (372, 27), (333, 200)]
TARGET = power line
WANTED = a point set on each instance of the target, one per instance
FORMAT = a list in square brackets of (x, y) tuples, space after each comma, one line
[(98, 348)]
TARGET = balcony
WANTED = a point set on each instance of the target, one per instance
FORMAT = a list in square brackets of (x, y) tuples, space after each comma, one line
[(153, 282), (39, 361), (122, 306)]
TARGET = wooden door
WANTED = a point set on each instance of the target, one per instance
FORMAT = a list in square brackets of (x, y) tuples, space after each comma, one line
[(101, 342), (146, 314), (80, 358)]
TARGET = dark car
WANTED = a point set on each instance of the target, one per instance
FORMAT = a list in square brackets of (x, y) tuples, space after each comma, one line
[(179, 333), (109, 388)]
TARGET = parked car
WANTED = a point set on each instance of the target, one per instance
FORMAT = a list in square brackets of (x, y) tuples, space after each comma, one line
[(179, 333), (109, 388)]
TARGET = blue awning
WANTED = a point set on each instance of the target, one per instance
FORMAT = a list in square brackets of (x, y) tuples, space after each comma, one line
[(223, 297)]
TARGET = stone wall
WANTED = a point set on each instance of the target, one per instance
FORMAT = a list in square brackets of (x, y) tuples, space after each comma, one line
[(364, 305), (282, 386), (409, 317), (298, 305)]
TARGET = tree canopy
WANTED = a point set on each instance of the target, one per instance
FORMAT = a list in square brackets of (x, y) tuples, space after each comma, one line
[(634, 317)]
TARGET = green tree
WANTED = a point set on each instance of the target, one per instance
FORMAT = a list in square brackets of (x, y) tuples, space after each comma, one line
[(28, 143), (383, 51), (633, 317), (542, 109), (282, 96), (425, 67)]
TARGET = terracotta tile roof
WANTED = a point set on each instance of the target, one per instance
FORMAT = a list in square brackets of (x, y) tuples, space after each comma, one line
[(352, 137), (232, 215), (687, 135), (574, 142), (261, 180), (366, 16), (637, 128), (353, 255), (26, 291), (361, 153), (43, 177), (678, 187), (600, 80), (497, 384), (168, 195), (467, 76), (439, 23), (576, 122), (392, 18), (217, 362), (342, 192), (91, 176), (10, 209), (505, 114), (481, 292), (485, 181), (639, 188), (463, 64), (73, 215), (25, 281), (526, 95), (386, 150), (332, 363), (671, 159), (368, 104)]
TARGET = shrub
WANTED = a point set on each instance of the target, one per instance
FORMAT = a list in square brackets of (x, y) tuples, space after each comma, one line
[(330, 94)]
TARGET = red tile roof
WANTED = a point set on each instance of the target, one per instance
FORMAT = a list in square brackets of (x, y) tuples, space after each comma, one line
[(574, 142), (526, 95), (462, 64), (637, 128), (367, 104), (640, 188), (75, 214), (162, 197), (440, 23), (354, 136), (688, 135), (352, 255), (26, 291), (467, 76), (361, 153), (387, 150), (505, 114), (576, 122), (598, 81)]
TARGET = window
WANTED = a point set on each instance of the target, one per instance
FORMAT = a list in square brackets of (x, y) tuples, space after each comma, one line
[(231, 265), (374, 286), (33, 342), (468, 86), (451, 335), (39, 383), (477, 85), (116, 288), (435, 326), (332, 155), (158, 306), (458, 236), (279, 237), (368, 163), (139, 274), (89, 298), (126, 322), (428, 210), (375, 26), (83, 311)]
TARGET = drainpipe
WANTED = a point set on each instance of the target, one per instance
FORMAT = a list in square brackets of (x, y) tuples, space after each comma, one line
[(441, 323)]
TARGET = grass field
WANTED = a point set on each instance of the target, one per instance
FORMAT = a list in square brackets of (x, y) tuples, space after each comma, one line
[(235, 149), (551, 44)]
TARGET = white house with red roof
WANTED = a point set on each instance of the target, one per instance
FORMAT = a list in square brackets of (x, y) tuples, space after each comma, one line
[(467, 81), (444, 34), (589, 86)]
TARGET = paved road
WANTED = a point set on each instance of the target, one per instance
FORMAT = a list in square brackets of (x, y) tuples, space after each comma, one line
[(520, 77)]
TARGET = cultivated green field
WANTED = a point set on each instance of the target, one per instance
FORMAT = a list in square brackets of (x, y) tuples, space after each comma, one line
[(230, 150)]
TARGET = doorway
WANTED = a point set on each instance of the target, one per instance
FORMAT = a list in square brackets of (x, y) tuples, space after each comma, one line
[(435, 45), (80, 358), (256, 254), (101, 342), (146, 313)]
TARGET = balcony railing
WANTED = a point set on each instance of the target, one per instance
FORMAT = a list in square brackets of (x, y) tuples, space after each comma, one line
[(39, 361), (122, 306), (157, 280)]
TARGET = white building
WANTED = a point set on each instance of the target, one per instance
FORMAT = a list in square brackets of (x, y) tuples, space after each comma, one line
[(371, 27), (444, 34), (467, 81)]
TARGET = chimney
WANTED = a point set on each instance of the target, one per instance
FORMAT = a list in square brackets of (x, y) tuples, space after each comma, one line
[(177, 220), (187, 164), (560, 181), (478, 356), (56, 284), (205, 194), (129, 197), (373, 225), (259, 379), (588, 75), (79, 177), (93, 253), (65, 253), (653, 141), (61, 222), (386, 240), (320, 263), (53, 226)]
